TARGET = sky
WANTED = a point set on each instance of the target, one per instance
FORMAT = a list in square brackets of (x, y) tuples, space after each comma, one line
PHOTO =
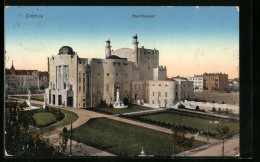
[(190, 40)]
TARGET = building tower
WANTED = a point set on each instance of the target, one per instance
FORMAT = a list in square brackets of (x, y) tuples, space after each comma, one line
[(108, 48), (135, 47)]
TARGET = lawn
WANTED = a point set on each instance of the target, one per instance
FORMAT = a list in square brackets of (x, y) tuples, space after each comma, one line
[(200, 122), (65, 121), (133, 108), (43, 118), (217, 97), (37, 98), (124, 139)]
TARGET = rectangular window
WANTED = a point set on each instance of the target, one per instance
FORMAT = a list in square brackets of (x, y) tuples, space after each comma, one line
[(153, 93), (107, 87), (153, 101), (159, 94), (126, 76), (65, 74), (84, 80), (84, 88), (79, 80), (53, 99), (135, 86), (165, 94), (79, 88)]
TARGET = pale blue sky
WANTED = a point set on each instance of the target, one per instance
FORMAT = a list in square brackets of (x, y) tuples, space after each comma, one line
[(190, 40)]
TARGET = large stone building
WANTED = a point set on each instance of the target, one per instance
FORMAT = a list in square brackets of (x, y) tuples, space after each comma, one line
[(26, 78), (82, 82), (213, 82), (197, 83)]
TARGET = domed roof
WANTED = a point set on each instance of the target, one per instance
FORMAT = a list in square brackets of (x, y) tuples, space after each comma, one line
[(113, 57), (66, 50)]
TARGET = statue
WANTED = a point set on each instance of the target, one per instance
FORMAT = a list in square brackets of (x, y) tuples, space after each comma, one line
[(118, 103), (29, 99)]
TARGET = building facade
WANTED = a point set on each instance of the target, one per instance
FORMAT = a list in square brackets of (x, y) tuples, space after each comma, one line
[(83, 82), (26, 78), (215, 82), (197, 83)]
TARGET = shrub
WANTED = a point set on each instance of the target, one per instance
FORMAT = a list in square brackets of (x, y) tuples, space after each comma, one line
[(214, 109), (219, 110), (213, 101), (223, 102), (227, 111), (110, 105), (65, 130), (181, 106), (197, 108)]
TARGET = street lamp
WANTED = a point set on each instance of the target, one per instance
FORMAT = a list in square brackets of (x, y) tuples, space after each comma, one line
[(210, 122), (71, 134)]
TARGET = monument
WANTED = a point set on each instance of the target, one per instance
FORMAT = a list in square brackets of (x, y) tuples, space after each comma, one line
[(29, 99), (119, 104)]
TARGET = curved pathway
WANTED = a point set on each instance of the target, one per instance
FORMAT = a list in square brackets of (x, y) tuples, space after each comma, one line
[(85, 115)]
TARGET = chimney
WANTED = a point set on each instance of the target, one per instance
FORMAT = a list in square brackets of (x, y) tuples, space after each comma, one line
[(48, 64)]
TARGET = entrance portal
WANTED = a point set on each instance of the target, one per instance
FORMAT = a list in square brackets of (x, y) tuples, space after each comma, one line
[(70, 102)]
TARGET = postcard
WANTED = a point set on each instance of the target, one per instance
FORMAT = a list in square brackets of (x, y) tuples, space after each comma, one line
[(123, 81)]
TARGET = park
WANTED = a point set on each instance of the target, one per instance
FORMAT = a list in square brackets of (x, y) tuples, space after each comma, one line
[(106, 129)]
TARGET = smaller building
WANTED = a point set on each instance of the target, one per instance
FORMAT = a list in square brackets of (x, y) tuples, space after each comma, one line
[(215, 82), (184, 88), (161, 93), (26, 78), (197, 83)]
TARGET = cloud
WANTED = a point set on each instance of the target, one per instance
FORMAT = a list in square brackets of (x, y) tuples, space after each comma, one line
[(197, 7), (169, 6), (237, 8)]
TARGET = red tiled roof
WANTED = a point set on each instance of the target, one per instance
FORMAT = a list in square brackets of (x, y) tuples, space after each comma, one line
[(42, 73), (171, 79), (24, 72)]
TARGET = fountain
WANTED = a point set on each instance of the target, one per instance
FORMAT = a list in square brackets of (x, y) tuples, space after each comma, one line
[(29, 99), (29, 103), (119, 104)]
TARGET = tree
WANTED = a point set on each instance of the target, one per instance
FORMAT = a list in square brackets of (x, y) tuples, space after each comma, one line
[(179, 140), (22, 140), (223, 102), (213, 101), (214, 109), (223, 132), (219, 110)]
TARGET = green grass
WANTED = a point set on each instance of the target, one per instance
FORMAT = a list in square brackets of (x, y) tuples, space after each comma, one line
[(200, 123), (37, 98), (43, 118), (124, 139), (65, 121), (133, 108)]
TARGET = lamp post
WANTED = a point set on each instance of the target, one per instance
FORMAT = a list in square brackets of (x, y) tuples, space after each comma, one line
[(210, 122), (71, 134)]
